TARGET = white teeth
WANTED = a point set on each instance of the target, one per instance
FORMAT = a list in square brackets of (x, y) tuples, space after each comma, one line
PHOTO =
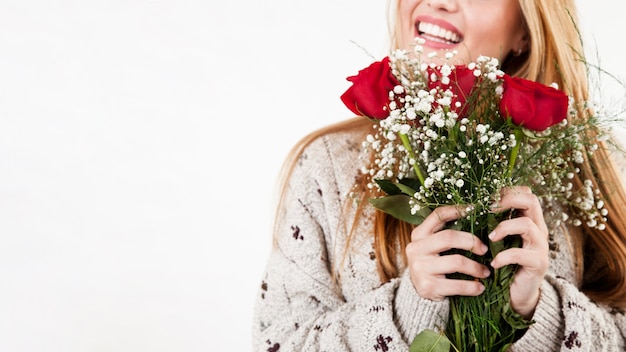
[(436, 31)]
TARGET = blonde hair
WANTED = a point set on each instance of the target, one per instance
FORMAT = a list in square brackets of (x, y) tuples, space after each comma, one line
[(555, 55)]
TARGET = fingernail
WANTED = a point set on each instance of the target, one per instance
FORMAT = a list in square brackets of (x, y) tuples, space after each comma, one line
[(492, 235), (486, 272), (484, 248)]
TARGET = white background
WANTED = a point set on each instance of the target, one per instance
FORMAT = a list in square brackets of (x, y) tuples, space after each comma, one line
[(139, 145)]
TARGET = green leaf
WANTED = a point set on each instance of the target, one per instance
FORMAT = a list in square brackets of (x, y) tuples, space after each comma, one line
[(515, 320), (406, 185), (430, 341), (496, 247), (406, 189), (412, 183), (492, 222), (398, 207), (388, 187)]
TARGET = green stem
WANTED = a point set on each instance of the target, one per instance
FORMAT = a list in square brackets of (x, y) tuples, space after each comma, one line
[(518, 143), (409, 149)]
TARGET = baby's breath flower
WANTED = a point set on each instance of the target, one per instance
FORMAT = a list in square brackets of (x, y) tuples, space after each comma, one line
[(467, 157)]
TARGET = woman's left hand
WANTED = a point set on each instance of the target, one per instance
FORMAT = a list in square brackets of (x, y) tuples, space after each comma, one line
[(532, 257)]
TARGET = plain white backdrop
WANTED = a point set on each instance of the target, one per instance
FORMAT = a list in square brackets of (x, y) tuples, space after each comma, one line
[(140, 141)]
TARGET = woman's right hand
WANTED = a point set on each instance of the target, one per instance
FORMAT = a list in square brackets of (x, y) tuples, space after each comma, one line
[(428, 268)]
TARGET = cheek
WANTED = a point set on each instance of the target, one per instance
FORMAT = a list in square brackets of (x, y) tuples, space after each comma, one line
[(408, 5), (503, 30), (495, 38), (404, 19)]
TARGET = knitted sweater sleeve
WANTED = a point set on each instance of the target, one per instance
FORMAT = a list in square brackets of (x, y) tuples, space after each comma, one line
[(567, 320), (301, 306)]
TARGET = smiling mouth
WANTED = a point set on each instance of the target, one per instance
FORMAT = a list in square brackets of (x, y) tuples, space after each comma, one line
[(436, 33)]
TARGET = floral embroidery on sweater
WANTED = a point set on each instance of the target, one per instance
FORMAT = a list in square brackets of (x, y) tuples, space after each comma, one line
[(382, 343), (263, 289), (376, 309), (296, 233), (273, 348), (572, 340)]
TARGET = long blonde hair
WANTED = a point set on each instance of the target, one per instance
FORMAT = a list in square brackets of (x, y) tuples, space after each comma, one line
[(555, 55)]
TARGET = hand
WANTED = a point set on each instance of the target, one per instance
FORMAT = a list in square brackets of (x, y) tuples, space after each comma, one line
[(428, 268), (533, 256)]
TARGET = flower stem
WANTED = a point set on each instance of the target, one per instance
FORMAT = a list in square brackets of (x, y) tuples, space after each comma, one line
[(409, 149), (518, 142)]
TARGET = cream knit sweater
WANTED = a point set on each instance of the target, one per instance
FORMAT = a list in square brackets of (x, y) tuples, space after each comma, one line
[(302, 306)]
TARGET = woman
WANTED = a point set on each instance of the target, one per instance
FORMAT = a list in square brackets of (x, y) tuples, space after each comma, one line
[(343, 276)]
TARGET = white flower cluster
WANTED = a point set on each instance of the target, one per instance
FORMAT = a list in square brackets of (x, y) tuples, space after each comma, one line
[(554, 167), (467, 159)]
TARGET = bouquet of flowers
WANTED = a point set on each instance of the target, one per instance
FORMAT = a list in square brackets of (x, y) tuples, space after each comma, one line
[(457, 135)]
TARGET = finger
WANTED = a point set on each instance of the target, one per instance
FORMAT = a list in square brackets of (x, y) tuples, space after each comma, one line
[(525, 202), (448, 239), (515, 200), (516, 190), (456, 263), (513, 191), (530, 260), (532, 235), (439, 288), (437, 220)]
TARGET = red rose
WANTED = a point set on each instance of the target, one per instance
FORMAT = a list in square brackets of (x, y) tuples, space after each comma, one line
[(462, 81), (369, 93), (532, 105)]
